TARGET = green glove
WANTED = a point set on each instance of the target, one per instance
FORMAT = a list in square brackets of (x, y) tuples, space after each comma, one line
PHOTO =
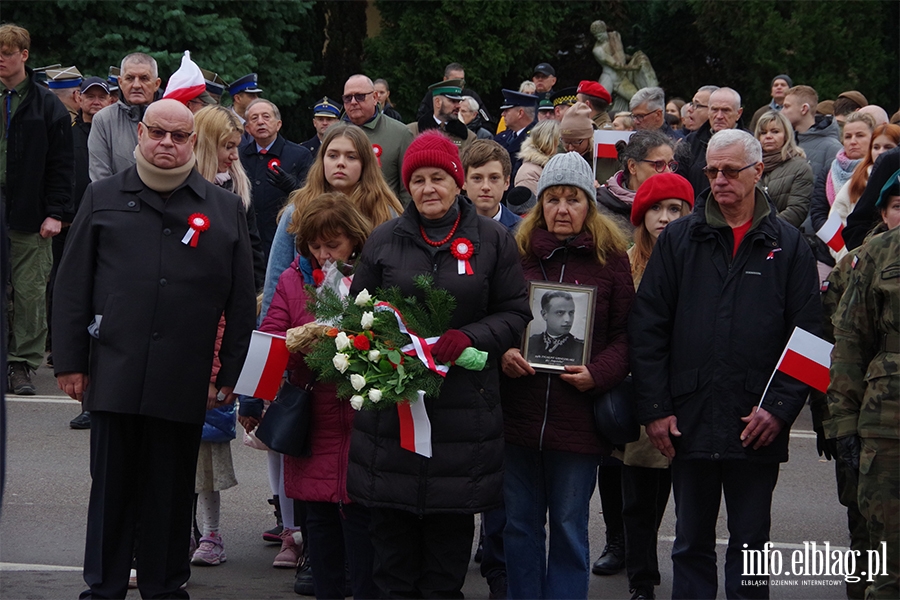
[(472, 359)]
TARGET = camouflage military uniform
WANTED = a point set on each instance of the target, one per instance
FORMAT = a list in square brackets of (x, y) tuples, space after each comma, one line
[(864, 395), (846, 477)]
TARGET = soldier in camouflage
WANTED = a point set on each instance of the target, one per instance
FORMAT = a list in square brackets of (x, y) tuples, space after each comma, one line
[(864, 394)]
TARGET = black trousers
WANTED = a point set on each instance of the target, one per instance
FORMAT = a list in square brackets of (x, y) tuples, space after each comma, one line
[(420, 557), (143, 471), (609, 484), (645, 493), (698, 486), (339, 535)]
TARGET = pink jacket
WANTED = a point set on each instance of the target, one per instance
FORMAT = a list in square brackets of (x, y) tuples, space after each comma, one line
[(321, 477)]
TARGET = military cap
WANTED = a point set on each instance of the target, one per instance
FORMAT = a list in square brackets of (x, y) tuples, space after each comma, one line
[(545, 69), (513, 98), (545, 104), (215, 85), (94, 82), (564, 96), (326, 107), (452, 88), (63, 78), (113, 79), (592, 88), (247, 83)]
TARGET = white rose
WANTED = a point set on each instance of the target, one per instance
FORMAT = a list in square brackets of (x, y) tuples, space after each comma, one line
[(367, 320), (341, 362), (374, 394), (357, 402), (363, 298), (342, 342), (374, 355), (357, 381)]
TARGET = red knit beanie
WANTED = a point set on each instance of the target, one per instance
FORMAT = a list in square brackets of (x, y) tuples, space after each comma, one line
[(433, 149), (665, 186)]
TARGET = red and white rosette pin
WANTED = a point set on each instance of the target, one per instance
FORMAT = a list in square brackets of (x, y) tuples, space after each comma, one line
[(197, 223), (274, 163), (462, 249)]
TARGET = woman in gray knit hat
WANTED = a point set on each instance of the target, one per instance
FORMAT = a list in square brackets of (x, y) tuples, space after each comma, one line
[(552, 445)]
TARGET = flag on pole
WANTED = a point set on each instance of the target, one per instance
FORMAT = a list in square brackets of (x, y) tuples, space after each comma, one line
[(415, 427), (605, 142), (807, 358), (264, 366), (187, 82), (832, 232)]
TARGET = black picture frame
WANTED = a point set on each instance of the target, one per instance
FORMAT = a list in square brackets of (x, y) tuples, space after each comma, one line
[(570, 343)]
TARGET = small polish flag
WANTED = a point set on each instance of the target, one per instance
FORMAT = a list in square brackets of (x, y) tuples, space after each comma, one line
[(187, 82), (415, 427), (264, 366), (832, 232), (605, 142), (807, 358)]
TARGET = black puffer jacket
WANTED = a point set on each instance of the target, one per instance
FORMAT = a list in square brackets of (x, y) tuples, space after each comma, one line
[(706, 330), (465, 473), (40, 162)]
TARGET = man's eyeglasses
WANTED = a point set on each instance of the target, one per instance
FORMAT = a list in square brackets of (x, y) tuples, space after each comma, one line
[(158, 133), (729, 172), (698, 105), (360, 98), (638, 118), (660, 165)]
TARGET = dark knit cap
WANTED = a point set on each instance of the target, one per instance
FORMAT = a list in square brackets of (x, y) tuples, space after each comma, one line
[(665, 186), (787, 78), (433, 149)]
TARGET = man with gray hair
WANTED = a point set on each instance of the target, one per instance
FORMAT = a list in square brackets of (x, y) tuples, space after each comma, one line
[(648, 109), (722, 293), (114, 130)]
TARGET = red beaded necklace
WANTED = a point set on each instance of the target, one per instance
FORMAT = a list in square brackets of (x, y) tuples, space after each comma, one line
[(446, 239)]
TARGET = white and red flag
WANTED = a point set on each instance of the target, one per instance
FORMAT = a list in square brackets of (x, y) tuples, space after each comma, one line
[(415, 426), (187, 82), (264, 366), (832, 232), (807, 358)]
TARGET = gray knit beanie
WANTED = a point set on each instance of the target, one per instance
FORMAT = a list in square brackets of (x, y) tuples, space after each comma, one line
[(568, 168)]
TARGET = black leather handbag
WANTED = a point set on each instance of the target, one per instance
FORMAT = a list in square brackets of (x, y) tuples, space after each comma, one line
[(615, 416), (285, 426)]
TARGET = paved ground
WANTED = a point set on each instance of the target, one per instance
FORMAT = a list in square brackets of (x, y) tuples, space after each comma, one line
[(45, 507)]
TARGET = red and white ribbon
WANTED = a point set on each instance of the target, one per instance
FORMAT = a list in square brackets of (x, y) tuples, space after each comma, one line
[(344, 286), (462, 249), (415, 426), (420, 346), (197, 223)]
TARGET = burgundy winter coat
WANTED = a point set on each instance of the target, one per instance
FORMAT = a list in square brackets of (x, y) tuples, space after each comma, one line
[(321, 477), (557, 416)]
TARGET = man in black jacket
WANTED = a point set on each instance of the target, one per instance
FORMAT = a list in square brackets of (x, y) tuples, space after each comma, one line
[(155, 257), (35, 185), (276, 167), (721, 295)]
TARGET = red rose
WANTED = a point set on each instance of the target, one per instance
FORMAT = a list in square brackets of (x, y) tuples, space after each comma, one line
[(318, 277), (361, 342)]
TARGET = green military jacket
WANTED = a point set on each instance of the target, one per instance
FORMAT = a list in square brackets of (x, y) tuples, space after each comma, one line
[(864, 394)]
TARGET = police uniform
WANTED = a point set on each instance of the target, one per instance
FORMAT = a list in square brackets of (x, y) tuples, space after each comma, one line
[(326, 107), (249, 84), (864, 395), (512, 140)]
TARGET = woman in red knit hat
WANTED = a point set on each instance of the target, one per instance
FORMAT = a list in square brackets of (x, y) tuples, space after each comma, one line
[(646, 479)]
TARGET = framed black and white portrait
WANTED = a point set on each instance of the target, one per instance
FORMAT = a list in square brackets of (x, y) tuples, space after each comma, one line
[(559, 335)]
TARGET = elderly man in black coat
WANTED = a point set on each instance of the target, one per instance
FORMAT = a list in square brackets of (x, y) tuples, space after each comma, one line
[(155, 256)]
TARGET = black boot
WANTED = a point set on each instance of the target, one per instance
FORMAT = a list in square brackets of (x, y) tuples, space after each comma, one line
[(273, 536), (82, 421), (303, 581), (613, 558)]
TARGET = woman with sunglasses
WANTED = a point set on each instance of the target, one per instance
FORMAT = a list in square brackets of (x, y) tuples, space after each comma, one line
[(645, 155)]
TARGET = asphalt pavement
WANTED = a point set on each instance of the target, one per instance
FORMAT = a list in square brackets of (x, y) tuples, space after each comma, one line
[(47, 486)]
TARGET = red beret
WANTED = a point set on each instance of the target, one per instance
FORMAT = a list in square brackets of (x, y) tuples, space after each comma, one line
[(592, 88), (665, 186)]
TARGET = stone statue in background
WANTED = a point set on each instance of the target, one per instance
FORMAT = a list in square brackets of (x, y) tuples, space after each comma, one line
[(623, 74)]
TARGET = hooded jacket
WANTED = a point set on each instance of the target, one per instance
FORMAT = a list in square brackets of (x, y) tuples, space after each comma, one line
[(821, 142), (707, 330), (542, 411), (465, 473)]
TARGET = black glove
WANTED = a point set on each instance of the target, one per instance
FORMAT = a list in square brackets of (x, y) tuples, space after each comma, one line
[(824, 446), (847, 449), (281, 179)]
